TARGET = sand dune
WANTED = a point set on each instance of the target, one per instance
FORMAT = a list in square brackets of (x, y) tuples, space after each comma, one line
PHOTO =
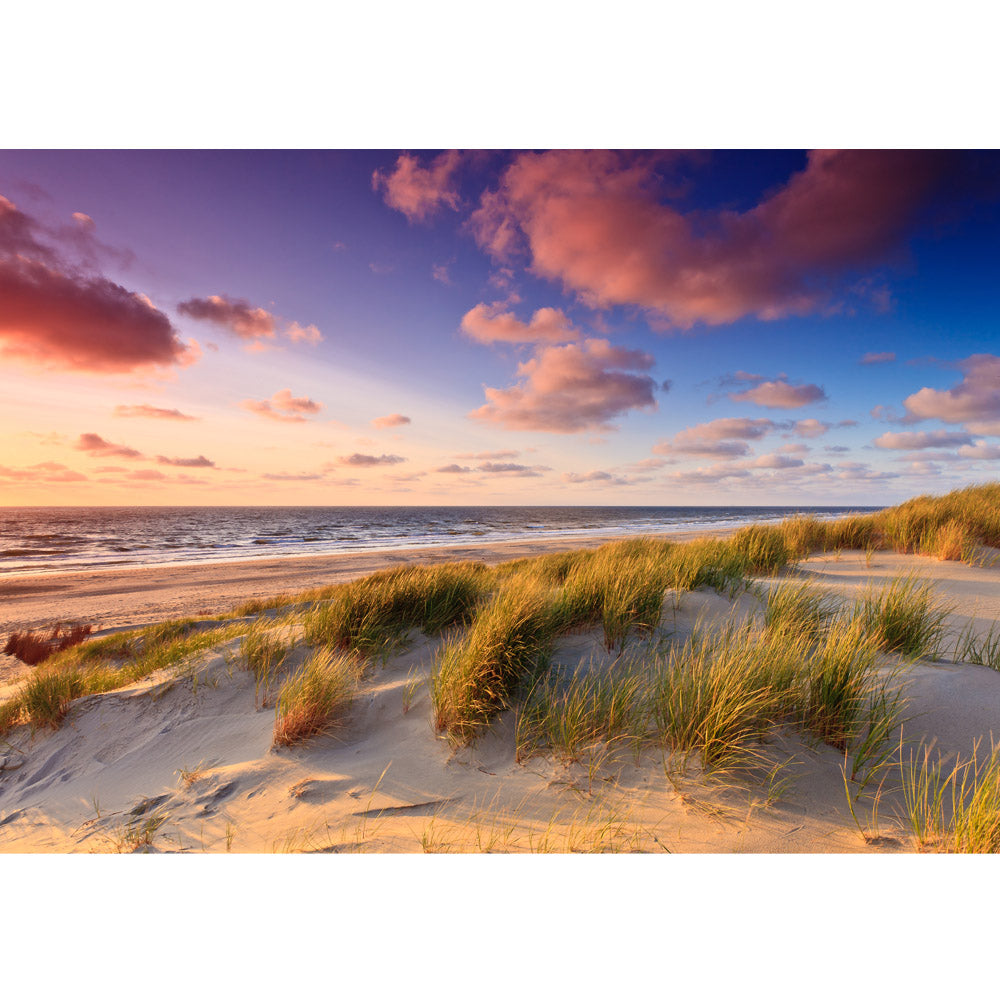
[(184, 760)]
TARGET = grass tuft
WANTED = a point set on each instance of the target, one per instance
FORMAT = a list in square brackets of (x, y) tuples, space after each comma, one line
[(477, 673), (573, 714), (905, 616), (310, 701), (799, 609)]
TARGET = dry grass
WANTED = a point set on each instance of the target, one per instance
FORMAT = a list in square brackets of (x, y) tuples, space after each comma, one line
[(311, 700), (904, 616), (954, 809), (34, 649), (477, 673)]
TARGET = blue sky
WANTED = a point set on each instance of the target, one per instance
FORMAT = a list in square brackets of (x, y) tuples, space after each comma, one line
[(497, 327)]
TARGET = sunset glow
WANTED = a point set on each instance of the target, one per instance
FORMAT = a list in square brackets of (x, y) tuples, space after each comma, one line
[(562, 327)]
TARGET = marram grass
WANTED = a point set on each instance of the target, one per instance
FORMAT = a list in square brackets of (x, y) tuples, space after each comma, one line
[(620, 587)]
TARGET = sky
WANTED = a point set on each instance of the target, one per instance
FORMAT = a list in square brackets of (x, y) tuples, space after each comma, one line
[(497, 327)]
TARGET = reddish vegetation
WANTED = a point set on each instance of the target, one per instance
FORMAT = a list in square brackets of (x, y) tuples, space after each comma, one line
[(33, 649)]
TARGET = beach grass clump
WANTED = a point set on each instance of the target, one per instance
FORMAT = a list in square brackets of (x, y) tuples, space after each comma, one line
[(371, 616), (259, 604), (620, 587), (573, 714), (705, 563), (312, 699), (719, 694), (803, 535), (953, 809), (905, 617), (476, 674), (799, 609), (983, 649), (10, 715), (839, 676), (551, 569), (33, 649), (46, 695), (761, 548), (264, 652)]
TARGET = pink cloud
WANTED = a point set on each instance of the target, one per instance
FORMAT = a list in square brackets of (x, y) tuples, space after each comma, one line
[(96, 446), (775, 461), (573, 388), (283, 406), (43, 472), (810, 428), (603, 478), (975, 399), (155, 412), (146, 475), (724, 437), (188, 463), (392, 420), (55, 319), (707, 475), (863, 472), (487, 456), (980, 451), (488, 325), (303, 334), (511, 469), (236, 315), (598, 222), (878, 357), (369, 460), (453, 469), (916, 440), (420, 192), (250, 323), (294, 477), (780, 395), (439, 272)]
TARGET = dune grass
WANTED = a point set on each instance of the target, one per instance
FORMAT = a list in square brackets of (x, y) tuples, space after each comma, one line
[(477, 673), (34, 649), (264, 652), (105, 664), (982, 649), (905, 617), (310, 701), (953, 526), (953, 809), (799, 608), (574, 714), (502, 621), (371, 616)]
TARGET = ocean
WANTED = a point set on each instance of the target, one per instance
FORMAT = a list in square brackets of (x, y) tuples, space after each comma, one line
[(66, 539)]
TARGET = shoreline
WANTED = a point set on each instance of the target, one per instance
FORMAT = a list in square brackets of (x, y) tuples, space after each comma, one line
[(122, 597)]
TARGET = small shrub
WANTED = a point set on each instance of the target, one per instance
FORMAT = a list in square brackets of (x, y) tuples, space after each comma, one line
[(33, 649)]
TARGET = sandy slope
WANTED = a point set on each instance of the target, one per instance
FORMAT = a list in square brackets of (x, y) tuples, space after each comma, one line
[(194, 751)]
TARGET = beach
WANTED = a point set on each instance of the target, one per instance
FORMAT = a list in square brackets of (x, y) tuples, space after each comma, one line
[(127, 596), (188, 757)]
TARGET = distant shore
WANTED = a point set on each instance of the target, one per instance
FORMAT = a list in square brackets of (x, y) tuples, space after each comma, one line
[(113, 598)]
